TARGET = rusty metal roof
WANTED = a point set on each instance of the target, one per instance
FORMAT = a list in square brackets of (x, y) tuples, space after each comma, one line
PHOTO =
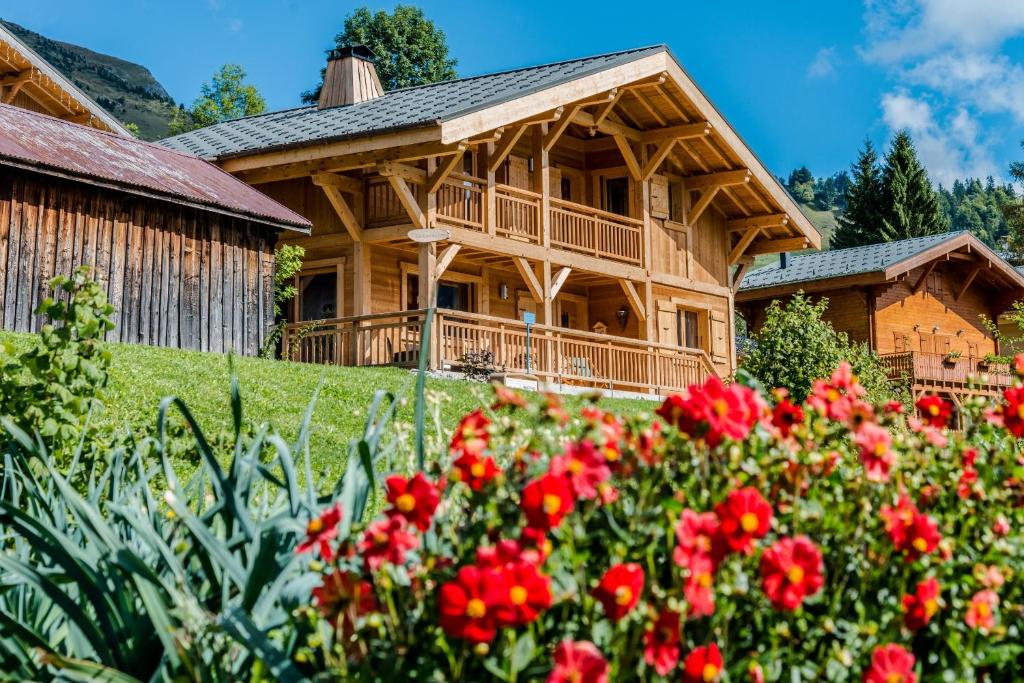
[(47, 144)]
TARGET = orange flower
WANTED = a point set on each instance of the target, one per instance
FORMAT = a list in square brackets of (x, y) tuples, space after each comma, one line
[(981, 613)]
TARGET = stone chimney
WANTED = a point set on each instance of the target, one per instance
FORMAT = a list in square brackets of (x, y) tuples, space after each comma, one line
[(350, 77)]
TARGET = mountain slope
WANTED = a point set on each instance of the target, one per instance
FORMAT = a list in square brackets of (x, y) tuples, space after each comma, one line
[(127, 90)]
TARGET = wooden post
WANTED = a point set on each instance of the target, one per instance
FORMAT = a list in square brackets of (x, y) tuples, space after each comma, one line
[(430, 198), (542, 182), (491, 207), (649, 328)]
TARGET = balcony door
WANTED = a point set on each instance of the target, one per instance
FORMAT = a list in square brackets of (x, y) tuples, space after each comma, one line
[(319, 288)]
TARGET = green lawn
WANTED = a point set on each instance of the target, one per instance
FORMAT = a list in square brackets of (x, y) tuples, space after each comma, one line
[(277, 393)]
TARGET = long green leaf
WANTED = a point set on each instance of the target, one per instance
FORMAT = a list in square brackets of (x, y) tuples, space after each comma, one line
[(238, 624)]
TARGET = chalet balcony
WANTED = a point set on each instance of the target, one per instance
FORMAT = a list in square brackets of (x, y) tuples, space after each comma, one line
[(462, 203), (938, 372), (552, 354)]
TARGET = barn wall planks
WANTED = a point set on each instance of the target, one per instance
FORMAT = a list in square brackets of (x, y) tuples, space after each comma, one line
[(176, 276)]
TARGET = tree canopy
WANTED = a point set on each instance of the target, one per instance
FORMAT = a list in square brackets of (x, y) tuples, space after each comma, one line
[(909, 203), (227, 96), (1013, 210), (410, 49), (857, 225)]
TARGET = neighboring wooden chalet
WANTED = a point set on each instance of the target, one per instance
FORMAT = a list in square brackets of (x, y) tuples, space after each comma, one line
[(184, 249), (605, 196), (30, 82), (918, 303)]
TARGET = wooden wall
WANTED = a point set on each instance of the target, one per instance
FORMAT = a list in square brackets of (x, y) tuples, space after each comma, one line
[(176, 276)]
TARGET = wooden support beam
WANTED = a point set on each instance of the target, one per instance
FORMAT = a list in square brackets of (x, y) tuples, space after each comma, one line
[(560, 127), (408, 200), (394, 169), (924, 276), (659, 156), (344, 211), (967, 281), (13, 84), (443, 170), (445, 259), (529, 277), (776, 246), (769, 220), (721, 179), (628, 156), (503, 148), (741, 272), (702, 204), (685, 131), (608, 127), (556, 282), (635, 302), (745, 241), (615, 94), (342, 182)]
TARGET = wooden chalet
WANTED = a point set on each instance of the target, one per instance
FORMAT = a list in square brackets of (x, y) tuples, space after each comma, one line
[(918, 304), (606, 197), (184, 250), (30, 82)]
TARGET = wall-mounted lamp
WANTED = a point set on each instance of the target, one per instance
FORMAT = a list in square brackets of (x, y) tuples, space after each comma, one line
[(623, 316), (503, 291), (935, 329)]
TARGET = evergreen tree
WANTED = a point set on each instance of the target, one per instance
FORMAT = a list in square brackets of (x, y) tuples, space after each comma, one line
[(227, 96), (910, 205), (860, 223), (1013, 210)]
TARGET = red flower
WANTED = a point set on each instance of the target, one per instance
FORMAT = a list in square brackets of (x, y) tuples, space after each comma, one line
[(528, 594), (935, 410), (661, 642), (472, 435), (890, 664), (619, 590), (1018, 364), (546, 500), (1001, 525), (648, 443), (578, 662), (1012, 412), (554, 410), (912, 532), (697, 534), (981, 613), (415, 499), (474, 470), (387, 540), (920, 606), (703, 664), (744, 516), (874, 442), (786, 415), (583, 467), (714, 411), (503, 396), (469, 604), (791, 571), (836, 398), (344, 594), (698, 588), (320, 531)]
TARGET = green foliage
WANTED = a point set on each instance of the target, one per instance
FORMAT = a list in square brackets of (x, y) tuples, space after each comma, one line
[(51, 387), (131, 127), (859, 223), (978, 207), (1013, 211), (910, 205), (227, 96), (795, 346), (410, 49), (287, 264)]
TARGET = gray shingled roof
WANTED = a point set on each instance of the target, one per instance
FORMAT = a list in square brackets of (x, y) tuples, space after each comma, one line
[(397, 109), (841, 262)]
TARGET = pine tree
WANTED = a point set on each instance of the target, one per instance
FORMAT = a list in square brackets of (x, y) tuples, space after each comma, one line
[(861, 222), (910, 205)]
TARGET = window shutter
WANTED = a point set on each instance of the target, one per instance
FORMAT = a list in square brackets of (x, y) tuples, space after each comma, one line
[(719, 338), (667, 323), (659, 196), (519, 173), (555, 183)]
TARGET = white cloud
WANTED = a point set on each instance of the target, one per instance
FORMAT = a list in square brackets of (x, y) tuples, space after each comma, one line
[(990, 83), (824, 63)]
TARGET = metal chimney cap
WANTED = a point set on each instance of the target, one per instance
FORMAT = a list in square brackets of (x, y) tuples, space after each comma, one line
[(357, 51)]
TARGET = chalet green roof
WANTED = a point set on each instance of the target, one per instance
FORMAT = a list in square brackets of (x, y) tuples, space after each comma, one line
[(824, 265)]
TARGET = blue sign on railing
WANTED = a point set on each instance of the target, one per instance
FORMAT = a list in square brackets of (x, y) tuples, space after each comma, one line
[(529, 317)]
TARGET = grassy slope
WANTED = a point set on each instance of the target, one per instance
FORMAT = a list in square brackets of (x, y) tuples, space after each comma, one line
[(825, 221), (274, 392)]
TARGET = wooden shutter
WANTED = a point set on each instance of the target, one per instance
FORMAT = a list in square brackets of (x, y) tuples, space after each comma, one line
[(659, 196), (519, 172), (719, 337), (555, 183), (667, 323), (927, 342), (899, 342), (943, 343)]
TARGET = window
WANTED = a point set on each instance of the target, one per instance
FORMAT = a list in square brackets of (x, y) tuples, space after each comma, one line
[(566, 189), (616, 195), (452, 295), (687, 328), (468, 163), (318, 290), (676, 212)]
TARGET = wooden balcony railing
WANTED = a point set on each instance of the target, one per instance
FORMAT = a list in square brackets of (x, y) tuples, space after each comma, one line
[(587, 230), (460, 202), (550, 353), (517, 214), (382, 205), (934, 371)]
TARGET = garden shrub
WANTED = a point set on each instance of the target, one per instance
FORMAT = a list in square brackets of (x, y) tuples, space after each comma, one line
[(795, 346)]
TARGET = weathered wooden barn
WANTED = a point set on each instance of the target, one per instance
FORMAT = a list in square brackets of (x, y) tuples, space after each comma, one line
[(185, 250), (917, 303)]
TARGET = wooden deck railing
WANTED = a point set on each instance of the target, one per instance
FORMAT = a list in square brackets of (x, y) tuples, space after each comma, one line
[(587, 230), (382, 205), (517, 214), (933, 371), (460, 202), (552, 354)]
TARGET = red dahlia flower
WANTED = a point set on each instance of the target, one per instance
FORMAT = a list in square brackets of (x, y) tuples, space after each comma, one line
[(415, 499), (528, 594), (661, 642), (344, 594), (890, 664), (387, 540), (474, 470), (697, 533), (837, 398), (981, 613), (703, 664), (469, 604), (503, 396), (935, 410), (920, 606), (714, 411), (744, 516), (578, 662), (874, 443), (912, 532), (785, 416), (320, 531), (619, 590), (583, 467), (791, 571), (698, 588), (1012, 412), (546, 501), (472, 435)]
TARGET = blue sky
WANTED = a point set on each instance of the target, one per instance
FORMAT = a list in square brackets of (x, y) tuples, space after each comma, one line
[(802, 82)]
